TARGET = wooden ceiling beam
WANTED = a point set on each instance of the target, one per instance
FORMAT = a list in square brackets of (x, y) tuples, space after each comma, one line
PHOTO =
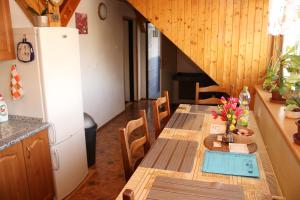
[(65, 11)]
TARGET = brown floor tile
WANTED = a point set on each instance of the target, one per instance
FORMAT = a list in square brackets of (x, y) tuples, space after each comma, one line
[(108, 180)]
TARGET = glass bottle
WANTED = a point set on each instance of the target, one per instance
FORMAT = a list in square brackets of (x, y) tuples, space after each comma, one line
[(244, 99)]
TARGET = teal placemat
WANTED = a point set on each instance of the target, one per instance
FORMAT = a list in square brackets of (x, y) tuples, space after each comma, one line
[(230, 163)]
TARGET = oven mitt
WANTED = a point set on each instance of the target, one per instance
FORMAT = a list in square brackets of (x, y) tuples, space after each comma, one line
[(17, 91)]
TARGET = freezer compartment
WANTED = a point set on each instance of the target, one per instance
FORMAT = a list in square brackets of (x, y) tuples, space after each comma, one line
[(69, 164)]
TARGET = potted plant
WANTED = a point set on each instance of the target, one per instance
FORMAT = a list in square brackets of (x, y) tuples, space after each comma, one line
[(40, 12), (291, 87), (292, 109), (274, 78), (296, 136)]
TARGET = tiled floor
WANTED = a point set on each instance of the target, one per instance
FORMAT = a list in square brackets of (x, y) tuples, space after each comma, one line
[(108, 180)]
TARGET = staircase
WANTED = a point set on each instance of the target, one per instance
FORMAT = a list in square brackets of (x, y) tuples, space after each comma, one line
[(226, 39)]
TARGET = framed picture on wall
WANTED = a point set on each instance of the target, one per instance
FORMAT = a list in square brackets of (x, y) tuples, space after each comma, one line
[(81, 23)]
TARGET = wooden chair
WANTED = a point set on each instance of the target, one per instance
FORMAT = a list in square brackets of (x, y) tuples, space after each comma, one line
[(159, 116), (128, 150), (211, 100), (128, 195)]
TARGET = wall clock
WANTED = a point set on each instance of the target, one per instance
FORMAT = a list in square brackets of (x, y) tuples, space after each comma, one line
[(25, 51), (57, 2), (102, 11)]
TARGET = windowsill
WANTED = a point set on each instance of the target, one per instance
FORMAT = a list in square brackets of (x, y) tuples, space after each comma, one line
[(286, 126)]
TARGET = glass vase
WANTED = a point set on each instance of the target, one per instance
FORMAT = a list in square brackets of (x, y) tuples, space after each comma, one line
[(228, 134)]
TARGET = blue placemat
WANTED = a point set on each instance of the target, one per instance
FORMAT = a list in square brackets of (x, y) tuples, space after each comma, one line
[(230, 163)]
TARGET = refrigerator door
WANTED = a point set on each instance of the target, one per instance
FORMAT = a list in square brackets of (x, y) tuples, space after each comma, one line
[(61, 80), (69, 164)]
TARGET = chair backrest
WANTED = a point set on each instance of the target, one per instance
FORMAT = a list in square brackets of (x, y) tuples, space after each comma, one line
[(129, 150), (211, 100), (128, 194), (159, 116)]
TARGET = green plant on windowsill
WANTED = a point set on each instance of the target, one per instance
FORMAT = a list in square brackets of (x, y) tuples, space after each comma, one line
[(291, 86), (272, 75), (292, 109), (274, 78)]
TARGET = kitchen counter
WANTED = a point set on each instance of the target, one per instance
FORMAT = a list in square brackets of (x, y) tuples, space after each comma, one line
[(18, 128)]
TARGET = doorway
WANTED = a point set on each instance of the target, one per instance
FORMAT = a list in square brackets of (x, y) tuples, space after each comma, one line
[(128, 60), (153, 72)]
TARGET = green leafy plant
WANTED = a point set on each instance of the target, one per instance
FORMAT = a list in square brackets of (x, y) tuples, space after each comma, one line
[(291, 86), (274, 75), (271, 78), (293, 104)]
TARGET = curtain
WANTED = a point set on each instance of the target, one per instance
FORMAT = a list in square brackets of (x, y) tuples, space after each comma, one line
[(284, 16)]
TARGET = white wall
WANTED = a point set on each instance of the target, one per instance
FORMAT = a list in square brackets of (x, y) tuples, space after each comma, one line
[(101, 52)]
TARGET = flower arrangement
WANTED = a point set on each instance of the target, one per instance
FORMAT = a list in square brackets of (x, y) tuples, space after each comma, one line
[(228, 112)]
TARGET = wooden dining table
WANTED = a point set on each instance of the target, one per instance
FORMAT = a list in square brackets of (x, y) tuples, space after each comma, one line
[(186, 131)]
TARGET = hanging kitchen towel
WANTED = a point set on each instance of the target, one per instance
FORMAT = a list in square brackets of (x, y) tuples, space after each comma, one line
[(17, 91)]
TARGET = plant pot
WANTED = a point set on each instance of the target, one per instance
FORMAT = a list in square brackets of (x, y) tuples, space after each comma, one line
[(292, 114), (296, 136), (41, 21), (277, 98)]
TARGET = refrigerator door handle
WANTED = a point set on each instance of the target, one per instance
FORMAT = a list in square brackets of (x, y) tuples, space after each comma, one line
[(56, 166), (54, 133)]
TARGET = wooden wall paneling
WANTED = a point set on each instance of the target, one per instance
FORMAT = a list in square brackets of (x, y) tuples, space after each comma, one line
[(235, 45), (249, 44), (180, 28), (174, 21), (265, 43), (155, 13), (228, 40), (187, 27), (228, 45), (256, 43), (148, 10), (194, 29), (242, 45), (207, 37), (214, 39), (221, 36), (163, 17), (201, 33)]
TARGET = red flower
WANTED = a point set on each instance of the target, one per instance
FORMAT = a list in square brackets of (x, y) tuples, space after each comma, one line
[(238, 112), (223, 118), (234, 106), (214, 114)]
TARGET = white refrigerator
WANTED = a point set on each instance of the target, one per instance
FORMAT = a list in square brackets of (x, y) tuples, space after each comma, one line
[(52, 85)]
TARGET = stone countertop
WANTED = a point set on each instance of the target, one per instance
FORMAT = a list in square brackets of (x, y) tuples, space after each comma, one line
[(18, 128)]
